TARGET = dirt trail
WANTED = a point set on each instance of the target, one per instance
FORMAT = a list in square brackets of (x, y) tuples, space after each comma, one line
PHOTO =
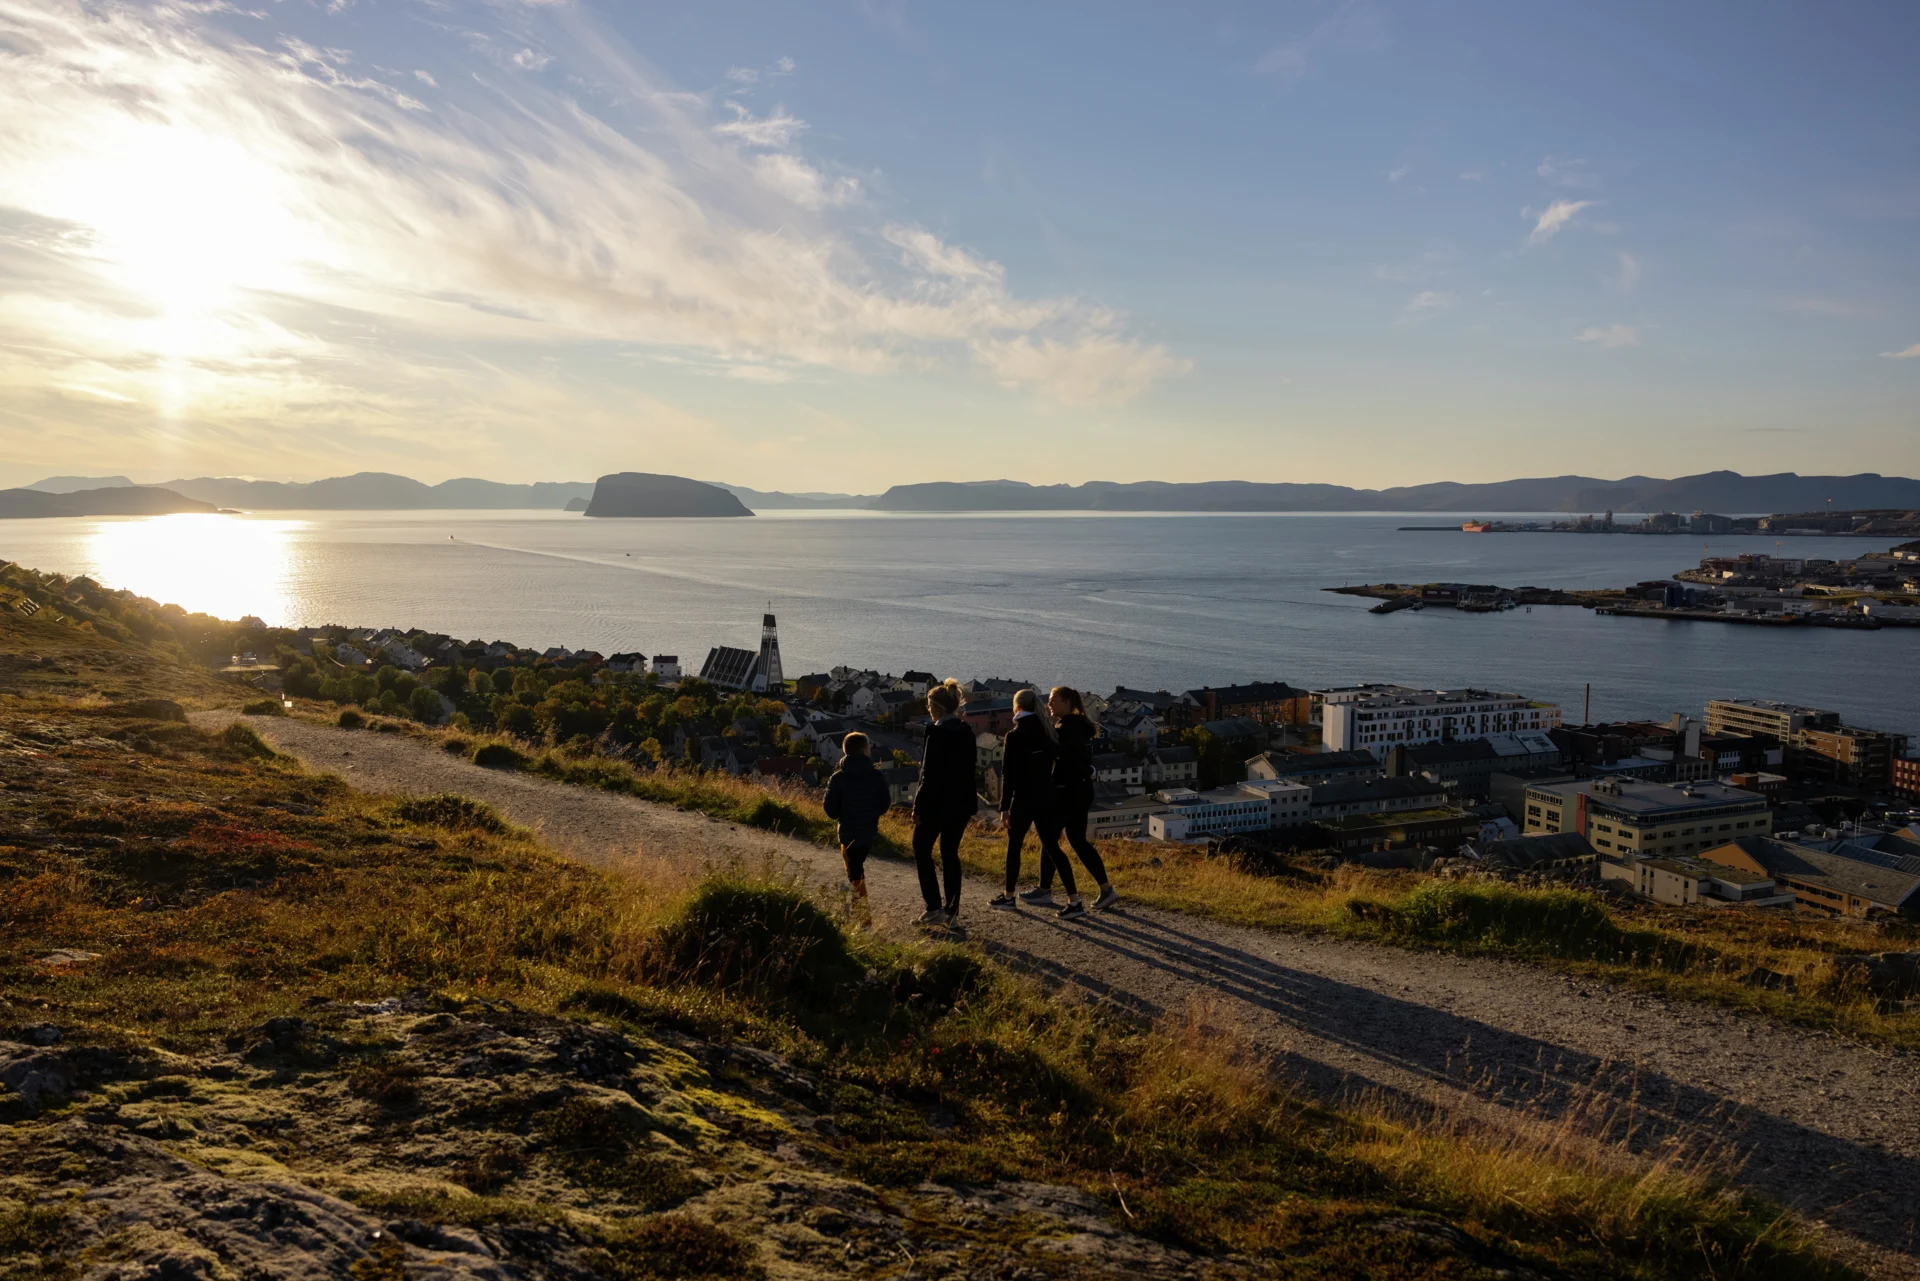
[(1827, 1127)]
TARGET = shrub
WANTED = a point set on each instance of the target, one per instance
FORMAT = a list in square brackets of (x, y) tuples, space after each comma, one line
[(678, 1245), (351, 719), (449, 810), (264, 707), (750, 936), (242, 740), (1562, 923), (498, 756)]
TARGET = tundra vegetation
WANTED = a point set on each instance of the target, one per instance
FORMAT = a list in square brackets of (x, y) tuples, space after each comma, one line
[(251, 1013)]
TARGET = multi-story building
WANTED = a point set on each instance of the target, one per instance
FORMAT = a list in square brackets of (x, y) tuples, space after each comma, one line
[(1620, 816), (1375, 796), (1815, 744), (1763, 716), (1222, 811), (1269, 702), (1906, 777), (1847, 756), (1378, 718), (1683, 880)]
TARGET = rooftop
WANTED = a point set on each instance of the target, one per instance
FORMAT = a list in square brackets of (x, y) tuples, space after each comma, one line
[(1633, 797)]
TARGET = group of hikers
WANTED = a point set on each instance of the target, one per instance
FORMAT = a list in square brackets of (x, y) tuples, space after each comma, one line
[(1046, 787)]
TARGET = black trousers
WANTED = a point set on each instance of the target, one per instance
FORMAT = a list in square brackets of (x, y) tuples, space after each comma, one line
[(854, 855), (947, 832), (1074, 806), (1021, 820)]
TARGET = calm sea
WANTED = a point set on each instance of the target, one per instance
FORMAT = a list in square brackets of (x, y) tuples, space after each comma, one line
[(1156, 601)]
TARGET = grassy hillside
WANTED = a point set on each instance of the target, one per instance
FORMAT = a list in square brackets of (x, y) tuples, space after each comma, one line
[(1782, 965), (250, 1015)]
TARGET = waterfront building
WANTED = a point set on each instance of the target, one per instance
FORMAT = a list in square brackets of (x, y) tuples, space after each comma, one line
[(1625, 816), (1906, 777), (1268, 702), (1816, 745), (1377, 718), (746, 670)]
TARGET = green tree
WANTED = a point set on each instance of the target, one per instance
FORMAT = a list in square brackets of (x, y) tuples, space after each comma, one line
[(479, 684), (424, 705)]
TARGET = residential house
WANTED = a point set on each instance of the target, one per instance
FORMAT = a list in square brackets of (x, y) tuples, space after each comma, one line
[(988, 715), (782, 767), (1314, 768), (903, 783), (713, 751), (1156, 703), (989, 751), (1171, 767), (1468, 765), (1134, 729), (1268, 702), (347, 656), (1333, 801), (666, 666), (1241, 735), (1114, 767), (916, 683), (629, 662)]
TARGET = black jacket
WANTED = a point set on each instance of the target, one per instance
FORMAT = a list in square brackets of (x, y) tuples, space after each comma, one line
[(1028, 780), (949, 787), (857, 795), (1073, 768)]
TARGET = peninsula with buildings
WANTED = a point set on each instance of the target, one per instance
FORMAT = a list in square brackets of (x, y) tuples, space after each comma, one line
[(1867, 592)]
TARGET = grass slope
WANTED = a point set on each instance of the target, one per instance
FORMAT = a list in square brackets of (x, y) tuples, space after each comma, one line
[(414, 1008)]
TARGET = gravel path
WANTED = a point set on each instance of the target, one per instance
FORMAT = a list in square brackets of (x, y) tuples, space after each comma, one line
[(1825, 1126)]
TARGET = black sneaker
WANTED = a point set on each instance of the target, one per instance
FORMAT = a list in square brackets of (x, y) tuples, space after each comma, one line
[(1072, 911), (953, 912), (1005, 902)]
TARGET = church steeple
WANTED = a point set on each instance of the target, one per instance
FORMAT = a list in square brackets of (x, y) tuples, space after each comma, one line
[(767, 676)]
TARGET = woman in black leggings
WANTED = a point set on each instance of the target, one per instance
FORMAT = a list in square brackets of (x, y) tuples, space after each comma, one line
[(1073, 788), (1028, 800)]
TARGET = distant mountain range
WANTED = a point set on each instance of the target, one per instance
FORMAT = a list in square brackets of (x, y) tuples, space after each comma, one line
[(1720, 491), (111, 500)]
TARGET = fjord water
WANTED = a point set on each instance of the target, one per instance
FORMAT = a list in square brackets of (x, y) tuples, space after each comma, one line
[(1156, 600)]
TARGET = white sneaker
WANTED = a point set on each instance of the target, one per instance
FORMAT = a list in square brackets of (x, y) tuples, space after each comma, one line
[(932, 916), (1108, 897), (1036, 895)]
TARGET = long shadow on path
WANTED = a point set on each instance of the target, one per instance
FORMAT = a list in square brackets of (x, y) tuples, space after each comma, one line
[(1399, 1047)]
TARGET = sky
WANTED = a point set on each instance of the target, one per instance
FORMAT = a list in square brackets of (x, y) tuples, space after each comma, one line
[(853, 243)]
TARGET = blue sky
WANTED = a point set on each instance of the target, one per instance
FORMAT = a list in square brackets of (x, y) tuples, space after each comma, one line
[(838, 246)]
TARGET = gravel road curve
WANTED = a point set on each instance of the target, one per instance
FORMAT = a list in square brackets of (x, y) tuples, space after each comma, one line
[(1822, 1125)]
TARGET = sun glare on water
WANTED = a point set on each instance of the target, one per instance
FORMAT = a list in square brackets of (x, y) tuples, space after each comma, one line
[(226, 566)]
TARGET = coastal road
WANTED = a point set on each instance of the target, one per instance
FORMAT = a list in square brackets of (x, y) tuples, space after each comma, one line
[(1827, 1127)]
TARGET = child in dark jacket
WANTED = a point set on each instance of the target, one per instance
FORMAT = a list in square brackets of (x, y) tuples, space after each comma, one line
[(856, 797)]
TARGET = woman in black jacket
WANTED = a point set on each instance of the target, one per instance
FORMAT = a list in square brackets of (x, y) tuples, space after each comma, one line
[(856, 797), (946, 802), (1073, 788), (1028, 800)]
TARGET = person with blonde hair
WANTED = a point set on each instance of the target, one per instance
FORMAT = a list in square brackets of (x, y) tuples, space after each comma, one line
[(946, 802), (1073, 789), (1028, 801)]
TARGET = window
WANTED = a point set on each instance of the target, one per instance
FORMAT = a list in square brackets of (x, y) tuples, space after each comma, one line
[(1534, 810)]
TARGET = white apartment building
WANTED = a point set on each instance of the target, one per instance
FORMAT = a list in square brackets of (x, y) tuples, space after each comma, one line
[(1288, 804), (1378, 718)]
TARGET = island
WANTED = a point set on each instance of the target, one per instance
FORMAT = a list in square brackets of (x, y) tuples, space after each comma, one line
[(575, 505), (639, 493), (22, 504)]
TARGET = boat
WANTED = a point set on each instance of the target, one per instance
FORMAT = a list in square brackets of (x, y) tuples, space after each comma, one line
[(1476, 526)]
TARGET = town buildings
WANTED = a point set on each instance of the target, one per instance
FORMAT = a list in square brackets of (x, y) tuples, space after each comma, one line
[(1626, 816), (1377, 718), (1815, 744), (1268, 702)]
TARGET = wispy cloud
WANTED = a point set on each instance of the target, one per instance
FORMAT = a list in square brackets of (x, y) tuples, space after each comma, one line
[(777, 129), (1610, 336), (235, 231), (1398, 172), (1424, 304), (1552, 220), (1353, 24), (1567, 173), (1473, 175), (1911, 353), (1627, 272)]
